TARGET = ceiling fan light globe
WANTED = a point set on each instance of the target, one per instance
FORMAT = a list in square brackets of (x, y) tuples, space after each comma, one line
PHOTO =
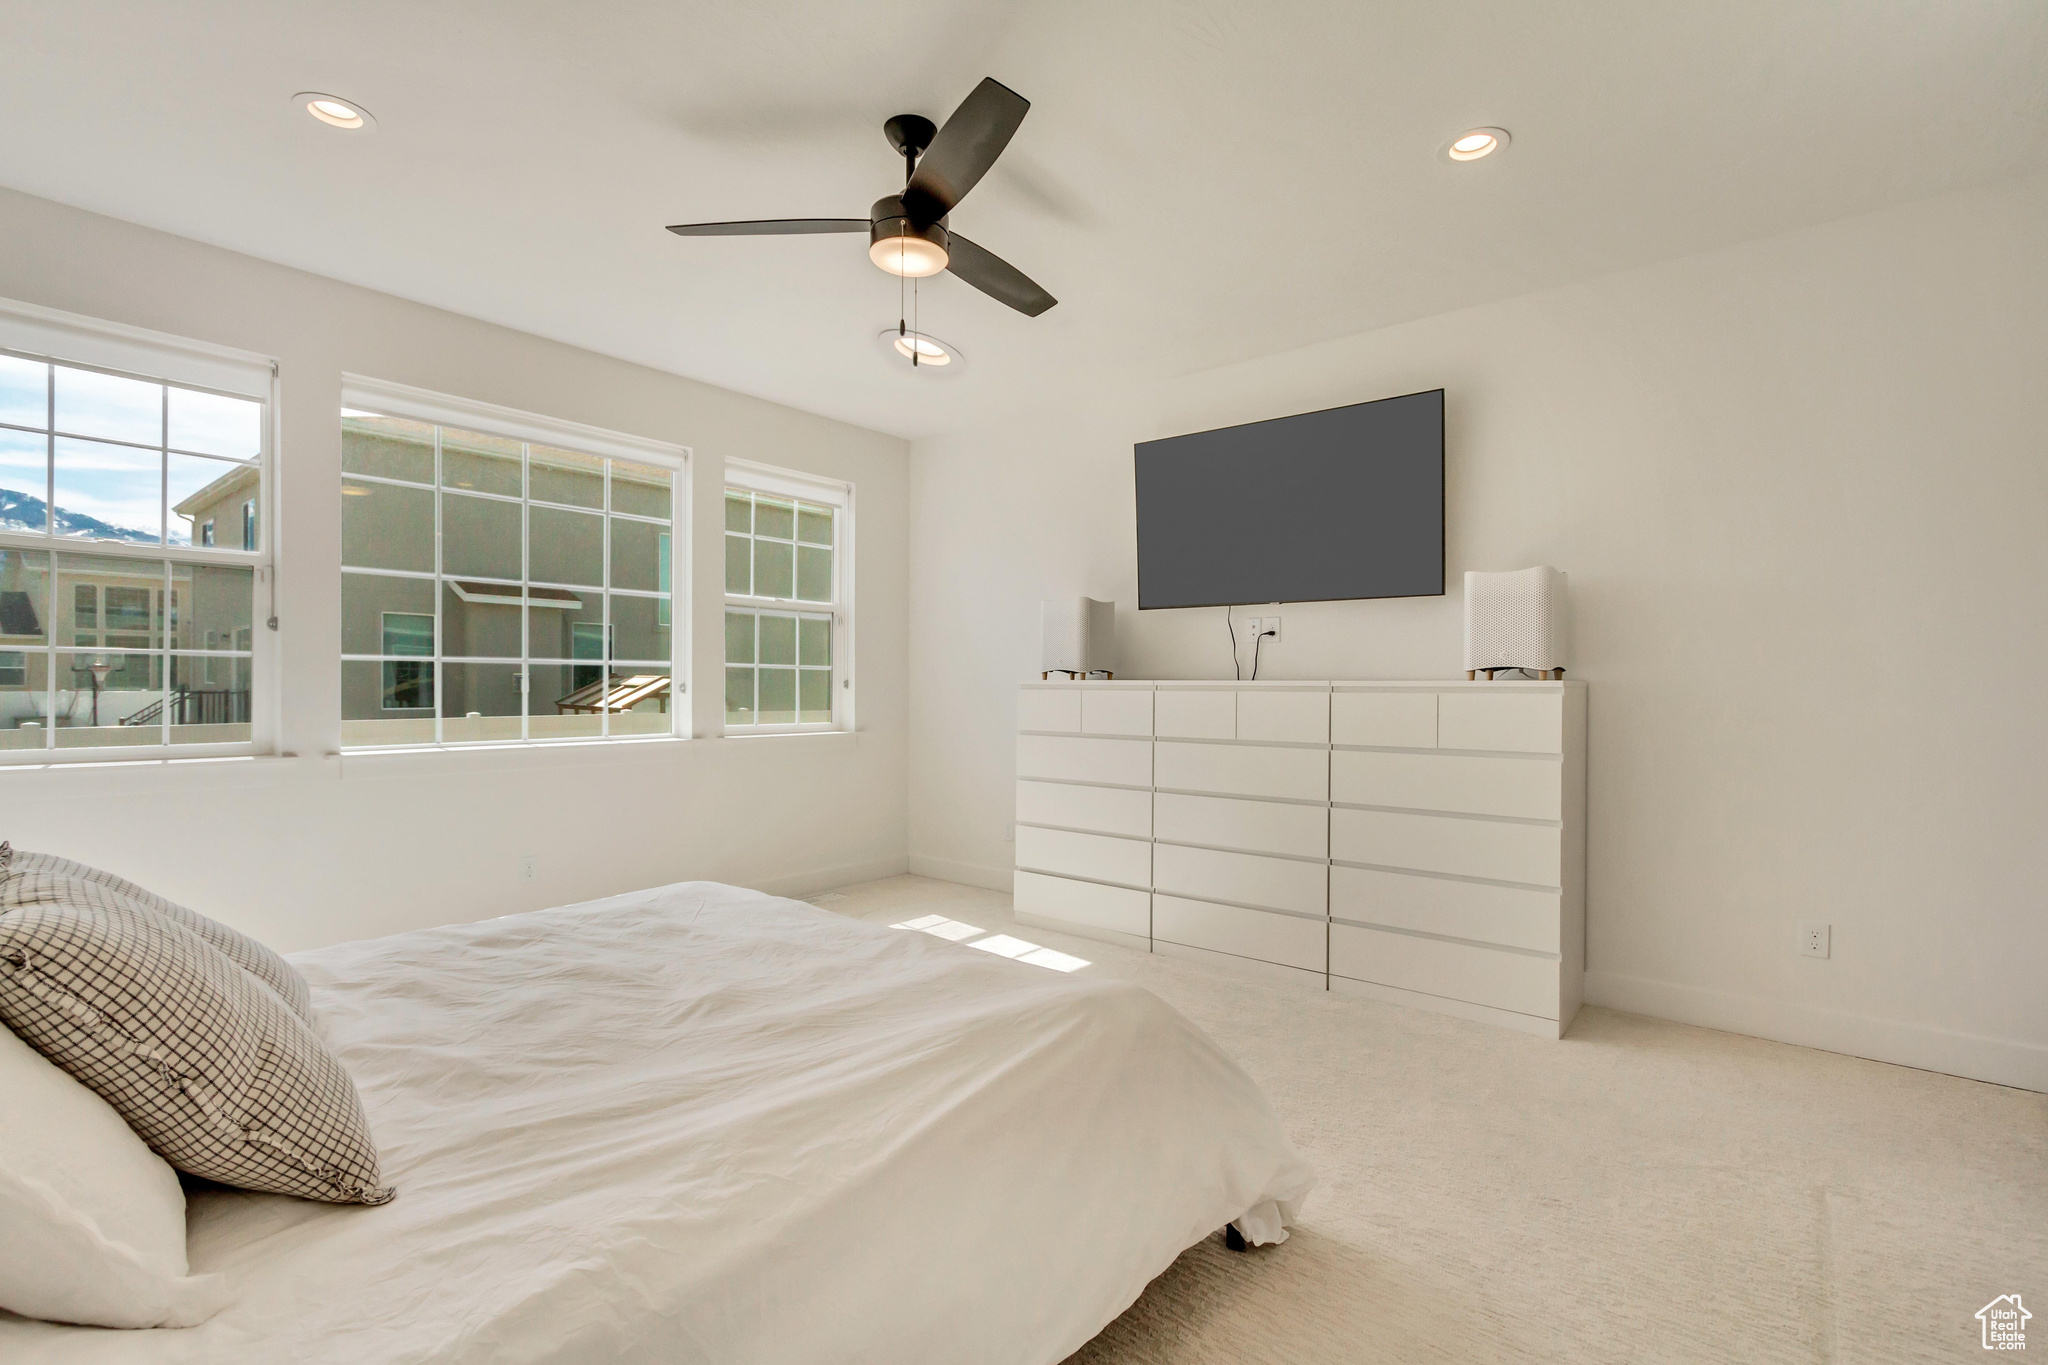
[(911, 257)]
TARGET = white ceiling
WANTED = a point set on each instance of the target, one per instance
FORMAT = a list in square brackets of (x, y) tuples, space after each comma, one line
[(1197, 182)]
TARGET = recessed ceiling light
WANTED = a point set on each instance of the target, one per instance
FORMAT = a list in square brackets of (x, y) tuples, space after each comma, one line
[(1475, 144), (912, 345), (335, 111), (932, 355)]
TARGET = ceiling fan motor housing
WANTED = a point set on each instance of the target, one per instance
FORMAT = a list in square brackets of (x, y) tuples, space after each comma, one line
[(889, 223)]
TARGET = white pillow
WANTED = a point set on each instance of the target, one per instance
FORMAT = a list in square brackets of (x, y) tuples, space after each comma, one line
[(92, 1223)]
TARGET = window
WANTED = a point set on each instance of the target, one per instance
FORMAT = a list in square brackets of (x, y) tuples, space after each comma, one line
[(788, 631), (505, 579), (408, 684), (122, 625), (586, 639)]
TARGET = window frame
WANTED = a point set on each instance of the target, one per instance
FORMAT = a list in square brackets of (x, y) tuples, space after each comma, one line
[(51, 336), (386, 398), (776, 482)]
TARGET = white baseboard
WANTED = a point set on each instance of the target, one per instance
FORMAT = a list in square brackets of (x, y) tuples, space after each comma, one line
[(797, 885), (969, 874), (2001, 1061)]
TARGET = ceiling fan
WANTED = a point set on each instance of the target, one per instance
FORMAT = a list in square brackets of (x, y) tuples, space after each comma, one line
[(907, 232)]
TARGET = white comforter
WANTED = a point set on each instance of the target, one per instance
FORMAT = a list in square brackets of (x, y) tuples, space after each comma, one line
[(703, 1124)]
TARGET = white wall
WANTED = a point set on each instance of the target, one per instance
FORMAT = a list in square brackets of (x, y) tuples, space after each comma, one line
[(1801, 487), (311, 850)]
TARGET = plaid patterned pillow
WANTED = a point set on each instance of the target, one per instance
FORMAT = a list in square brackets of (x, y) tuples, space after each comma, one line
[(245, 952), (206, 1064)]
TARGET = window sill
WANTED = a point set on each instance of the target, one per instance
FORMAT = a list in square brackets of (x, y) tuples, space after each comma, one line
[(783, 731), (40, 760), (521, 756), (181, 773)]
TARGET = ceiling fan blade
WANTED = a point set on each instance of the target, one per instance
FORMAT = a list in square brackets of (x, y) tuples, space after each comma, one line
[(996, 277), (770, 227), (964, 149)]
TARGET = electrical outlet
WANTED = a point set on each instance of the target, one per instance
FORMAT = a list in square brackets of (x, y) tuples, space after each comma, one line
[(529, 868), (1813, 939), (1269, 626)]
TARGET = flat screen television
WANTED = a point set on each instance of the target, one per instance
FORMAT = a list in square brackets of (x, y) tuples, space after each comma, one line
[(1343, 503)]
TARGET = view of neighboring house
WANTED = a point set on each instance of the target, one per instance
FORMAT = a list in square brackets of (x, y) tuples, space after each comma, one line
[(223, 513), (98, 649), (528, 547)]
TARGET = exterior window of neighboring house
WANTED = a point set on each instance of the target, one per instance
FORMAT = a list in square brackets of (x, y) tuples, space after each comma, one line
[(122, 625), (408, 683), (788, 596), (249, 524), (505, 578), (586, 640)]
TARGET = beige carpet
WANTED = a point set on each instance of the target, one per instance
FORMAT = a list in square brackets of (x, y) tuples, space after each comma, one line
[(1640, 1191)]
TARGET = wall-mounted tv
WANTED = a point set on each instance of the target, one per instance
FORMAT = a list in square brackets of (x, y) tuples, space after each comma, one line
[(1343, 503)]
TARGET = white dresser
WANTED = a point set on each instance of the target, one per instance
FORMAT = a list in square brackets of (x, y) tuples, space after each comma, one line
[(1417, 842)]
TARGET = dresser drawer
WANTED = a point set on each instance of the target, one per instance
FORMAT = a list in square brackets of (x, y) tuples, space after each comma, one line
[(1105, 810), (1209, 874), (1096, 857), (1284, 717), (1394, 720), (1528, 787), (1285, 939), (1258, 826), (1457, 971), (1116, 711), (1513, 722), (1049, 708), (1243, 770), (1087, 904), (1509, 915), (1493, 849), (1126, 762), (1195, 714)]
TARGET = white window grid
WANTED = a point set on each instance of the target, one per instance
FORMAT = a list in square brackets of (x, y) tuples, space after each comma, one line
[(165, 555), (781, 485), (439, 576)]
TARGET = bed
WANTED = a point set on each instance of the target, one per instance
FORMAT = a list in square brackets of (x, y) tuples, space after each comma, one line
[(699, 1123)]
